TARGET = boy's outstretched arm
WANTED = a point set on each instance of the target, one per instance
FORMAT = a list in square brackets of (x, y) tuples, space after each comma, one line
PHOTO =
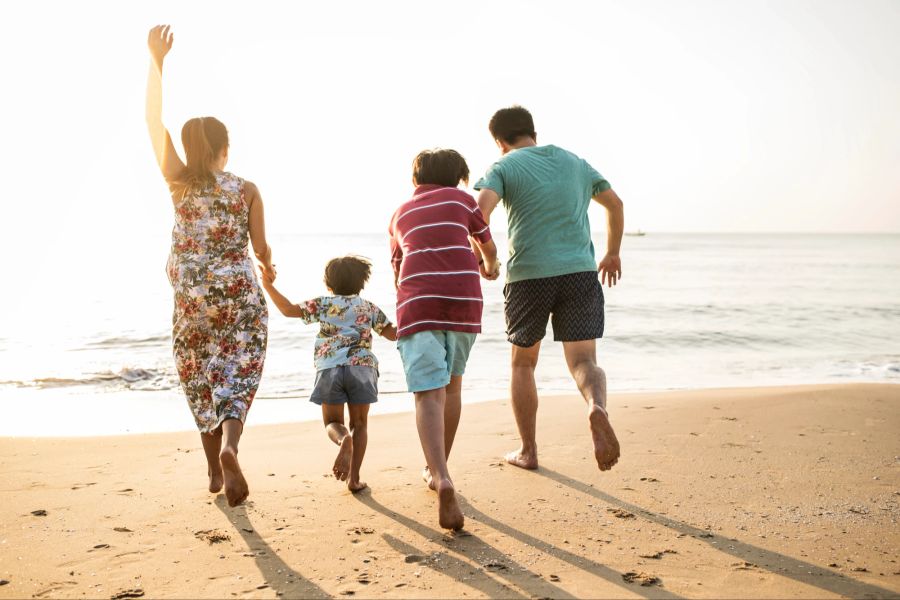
[(486, 253), (611, 266), (286, 307)]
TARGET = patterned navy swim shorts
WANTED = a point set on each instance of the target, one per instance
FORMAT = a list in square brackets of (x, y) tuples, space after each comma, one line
[(572, 302)]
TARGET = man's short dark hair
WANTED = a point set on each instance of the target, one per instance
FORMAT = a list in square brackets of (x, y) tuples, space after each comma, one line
[(510, 124), (347, 275), (440, 167)]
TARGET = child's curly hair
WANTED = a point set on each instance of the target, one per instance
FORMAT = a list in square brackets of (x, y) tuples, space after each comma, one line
[(347, 275)]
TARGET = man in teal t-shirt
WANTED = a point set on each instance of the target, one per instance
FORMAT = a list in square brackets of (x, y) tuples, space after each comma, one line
[(552, 273)]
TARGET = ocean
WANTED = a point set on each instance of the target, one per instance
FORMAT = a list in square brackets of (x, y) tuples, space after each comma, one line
[(691, 311)]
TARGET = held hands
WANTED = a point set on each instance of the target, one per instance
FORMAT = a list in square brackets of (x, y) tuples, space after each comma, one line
[(610, 269), (491, 275), (267, 275), (159, 41)]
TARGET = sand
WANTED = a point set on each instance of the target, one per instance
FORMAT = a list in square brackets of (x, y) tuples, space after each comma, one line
[(756, 493)]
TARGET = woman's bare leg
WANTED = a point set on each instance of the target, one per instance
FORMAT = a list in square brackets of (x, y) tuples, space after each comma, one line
[(236, 489), (212, 445)]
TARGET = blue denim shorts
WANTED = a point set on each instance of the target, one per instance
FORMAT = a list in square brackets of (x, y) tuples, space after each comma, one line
[(346, 385), (431, 357)]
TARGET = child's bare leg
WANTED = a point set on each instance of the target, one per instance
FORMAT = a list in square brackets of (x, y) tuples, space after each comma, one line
[(359, 416), (333, 417), (430, 423), (236, 489), (212, 444), (452, 411)]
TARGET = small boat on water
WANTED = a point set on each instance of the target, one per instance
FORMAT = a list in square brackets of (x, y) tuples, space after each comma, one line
[(637, 233)]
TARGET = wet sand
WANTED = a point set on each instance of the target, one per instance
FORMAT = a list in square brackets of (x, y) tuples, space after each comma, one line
[(755, 492)]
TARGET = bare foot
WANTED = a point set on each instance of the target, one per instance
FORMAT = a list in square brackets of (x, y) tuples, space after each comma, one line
[(606, 446), (355, 485), (520, 458), (449, 514), (215, 480), (427, 478), (341, 467), (236, 490)]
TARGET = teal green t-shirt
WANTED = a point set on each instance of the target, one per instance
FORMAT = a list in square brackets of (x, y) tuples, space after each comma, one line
[(546, 192)]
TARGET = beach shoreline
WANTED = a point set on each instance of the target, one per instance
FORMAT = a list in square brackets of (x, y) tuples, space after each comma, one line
[(734, 492)]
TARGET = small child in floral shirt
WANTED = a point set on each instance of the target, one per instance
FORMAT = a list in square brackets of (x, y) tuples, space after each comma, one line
[(346, 368)]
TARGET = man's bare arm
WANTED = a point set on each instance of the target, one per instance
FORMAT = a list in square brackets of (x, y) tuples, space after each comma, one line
[(487, 202), (610, 267)]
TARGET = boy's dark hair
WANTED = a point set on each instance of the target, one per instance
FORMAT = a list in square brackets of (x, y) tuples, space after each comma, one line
[(510, 124), (440, 167), (347, 275)]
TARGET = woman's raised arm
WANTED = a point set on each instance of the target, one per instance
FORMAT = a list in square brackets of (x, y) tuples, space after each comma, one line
[(159, 41)]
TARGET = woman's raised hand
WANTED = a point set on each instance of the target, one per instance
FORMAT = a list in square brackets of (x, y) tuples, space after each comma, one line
[(159, 40)]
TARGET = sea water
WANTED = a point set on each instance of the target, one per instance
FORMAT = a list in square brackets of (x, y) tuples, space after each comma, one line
[(691, 311)]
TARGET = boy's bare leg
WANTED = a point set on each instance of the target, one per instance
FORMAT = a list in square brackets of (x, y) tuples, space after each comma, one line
[(359, 414), (212, 445), (430, 423), (333, 416), (236, 489), (523, 392), (452, 411), (591, 380)]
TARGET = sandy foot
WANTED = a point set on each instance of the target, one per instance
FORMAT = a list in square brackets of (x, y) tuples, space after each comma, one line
[(519, 458), (449, 514), (356, 486), (427, 478), (606, 446), (236, 490), (216, 481), (341, 467)]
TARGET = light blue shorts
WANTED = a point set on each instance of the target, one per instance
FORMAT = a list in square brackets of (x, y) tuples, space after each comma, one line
[(431, 357)]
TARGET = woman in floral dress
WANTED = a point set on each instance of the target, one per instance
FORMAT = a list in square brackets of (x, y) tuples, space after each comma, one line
[(220, 319)]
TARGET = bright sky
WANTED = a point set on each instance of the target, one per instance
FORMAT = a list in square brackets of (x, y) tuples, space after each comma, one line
[(704, 115)]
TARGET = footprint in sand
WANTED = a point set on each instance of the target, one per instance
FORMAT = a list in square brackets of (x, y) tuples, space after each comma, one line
[(658, 555), (645, 579), (212, 536), (620, 514)]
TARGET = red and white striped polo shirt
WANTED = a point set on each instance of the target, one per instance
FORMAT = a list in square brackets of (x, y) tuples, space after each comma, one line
[(439, 286)]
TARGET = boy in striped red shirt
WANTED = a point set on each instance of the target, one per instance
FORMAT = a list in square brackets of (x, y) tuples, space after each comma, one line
[(440, 247)]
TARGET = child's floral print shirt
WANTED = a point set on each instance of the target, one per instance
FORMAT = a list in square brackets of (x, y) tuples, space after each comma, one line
[(345, 330)]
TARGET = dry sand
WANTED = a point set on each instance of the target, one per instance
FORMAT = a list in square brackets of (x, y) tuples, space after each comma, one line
[(761, 492)]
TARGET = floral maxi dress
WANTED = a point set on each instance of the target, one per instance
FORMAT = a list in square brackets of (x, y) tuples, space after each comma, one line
[(220, 323)]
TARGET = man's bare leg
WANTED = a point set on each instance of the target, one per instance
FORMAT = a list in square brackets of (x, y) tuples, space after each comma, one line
[(452, 411), (591, 380), (333, 417), (430, 423), (359, 417), (523, 392), (212, 445), (236, 489)]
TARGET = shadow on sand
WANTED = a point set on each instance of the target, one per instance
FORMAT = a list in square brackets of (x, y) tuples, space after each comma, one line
[(779, 564), (491, 566), (585, 564), (278, 575)]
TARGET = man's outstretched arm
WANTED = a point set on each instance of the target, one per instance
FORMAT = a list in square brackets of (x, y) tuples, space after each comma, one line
[(611, 266)]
